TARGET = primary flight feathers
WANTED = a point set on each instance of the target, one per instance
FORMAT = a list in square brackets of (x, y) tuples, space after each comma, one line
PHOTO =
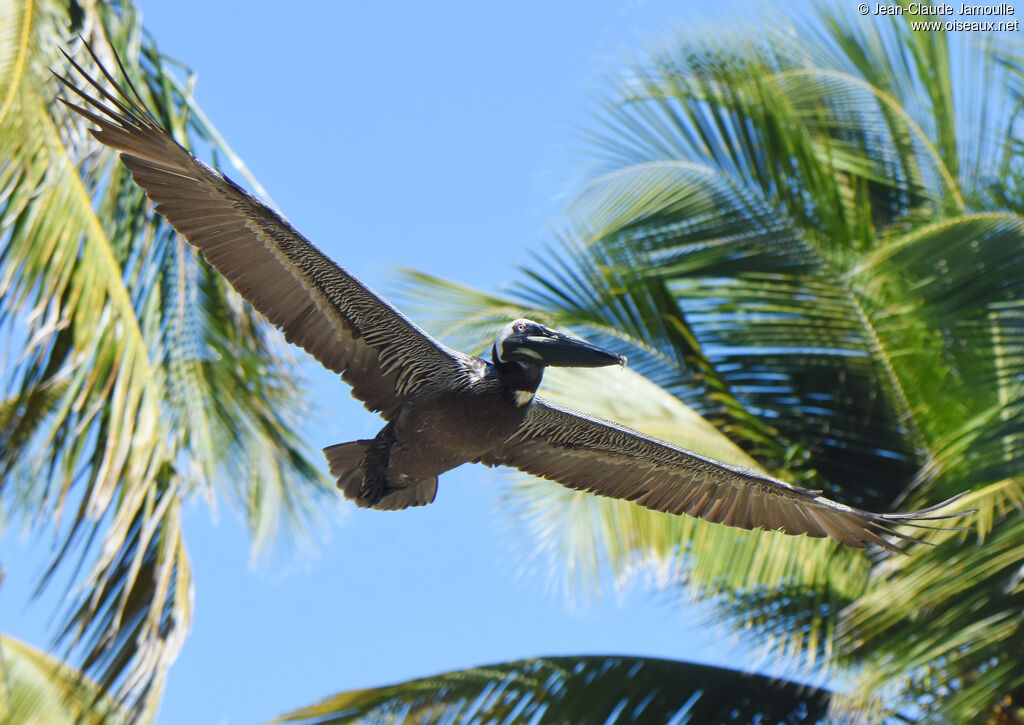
[(442, 407)]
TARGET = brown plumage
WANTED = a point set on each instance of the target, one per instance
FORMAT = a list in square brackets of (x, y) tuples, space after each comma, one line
[(442, 407), (602, 457)]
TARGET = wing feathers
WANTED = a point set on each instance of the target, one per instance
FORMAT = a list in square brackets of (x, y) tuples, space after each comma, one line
[(611, 460), (318, 305)]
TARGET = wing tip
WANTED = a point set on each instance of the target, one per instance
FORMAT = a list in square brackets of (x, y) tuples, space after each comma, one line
[(883, 525)]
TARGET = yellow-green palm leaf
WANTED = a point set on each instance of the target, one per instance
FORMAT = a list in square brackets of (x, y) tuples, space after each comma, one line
[(137, 377)]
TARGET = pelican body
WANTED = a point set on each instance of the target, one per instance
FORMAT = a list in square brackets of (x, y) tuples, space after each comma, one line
[(442, 407), (459, 421)]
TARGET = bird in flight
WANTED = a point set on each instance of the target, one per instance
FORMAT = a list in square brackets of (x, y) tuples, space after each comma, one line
[(442, 407)]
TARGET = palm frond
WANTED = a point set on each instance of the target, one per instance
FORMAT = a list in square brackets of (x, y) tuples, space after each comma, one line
[(958, 604), (119, 404), (36, 688), (578, 690)]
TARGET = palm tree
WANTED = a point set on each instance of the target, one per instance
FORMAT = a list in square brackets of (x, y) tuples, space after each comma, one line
[(119, 407), (815, 241)]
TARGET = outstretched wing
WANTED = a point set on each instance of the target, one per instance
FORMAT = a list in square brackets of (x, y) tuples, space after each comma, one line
[(319, 306), (612, 460)]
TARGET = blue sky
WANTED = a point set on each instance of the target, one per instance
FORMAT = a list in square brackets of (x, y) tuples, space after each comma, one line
[(438, 136)]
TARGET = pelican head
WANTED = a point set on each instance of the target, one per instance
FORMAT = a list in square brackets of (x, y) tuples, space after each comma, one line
[(526, 341)]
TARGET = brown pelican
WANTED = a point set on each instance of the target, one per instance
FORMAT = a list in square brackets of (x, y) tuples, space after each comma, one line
[(443, 408)]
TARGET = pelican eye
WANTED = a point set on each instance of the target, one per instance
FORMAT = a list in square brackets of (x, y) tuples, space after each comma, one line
[(520, 326)]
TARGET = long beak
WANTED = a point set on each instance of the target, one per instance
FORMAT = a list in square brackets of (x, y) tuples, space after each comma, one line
[(563, 351)]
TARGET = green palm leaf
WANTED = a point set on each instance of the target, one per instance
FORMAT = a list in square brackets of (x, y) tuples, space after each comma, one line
[(592, 689), (35, 688), (118, 405)]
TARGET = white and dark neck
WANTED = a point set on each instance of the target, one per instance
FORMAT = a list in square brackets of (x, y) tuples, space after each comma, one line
[(521, 377)]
